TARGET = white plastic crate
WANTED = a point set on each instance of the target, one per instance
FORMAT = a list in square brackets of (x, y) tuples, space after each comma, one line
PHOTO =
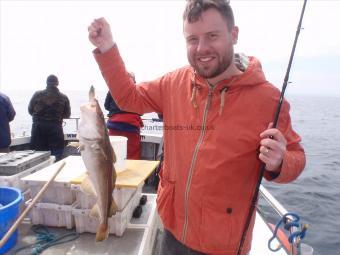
[(26, 195), (26, 199), (52, 215), (15, 179), (57, 193), (117, 223), (120, 195)]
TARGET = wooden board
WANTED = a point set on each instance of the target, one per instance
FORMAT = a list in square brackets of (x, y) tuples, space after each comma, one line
[(136, 172)]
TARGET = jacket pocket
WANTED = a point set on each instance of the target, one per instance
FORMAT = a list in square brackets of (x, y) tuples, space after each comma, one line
[(165, 202), (220, 223)]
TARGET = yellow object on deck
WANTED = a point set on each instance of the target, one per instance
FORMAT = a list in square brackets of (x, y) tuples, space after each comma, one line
[(136, 172)]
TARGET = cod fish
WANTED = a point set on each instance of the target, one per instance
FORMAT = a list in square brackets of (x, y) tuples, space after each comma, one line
[(98, 156)]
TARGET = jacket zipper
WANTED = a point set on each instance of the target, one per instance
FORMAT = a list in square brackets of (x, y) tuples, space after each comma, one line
[(193, 162)]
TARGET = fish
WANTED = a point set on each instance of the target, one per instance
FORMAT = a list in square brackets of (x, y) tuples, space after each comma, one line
[(99, 158)]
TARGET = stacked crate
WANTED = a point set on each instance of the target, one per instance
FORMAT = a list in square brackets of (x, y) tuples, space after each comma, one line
[(64, 204), (126, 199), (55, 205)]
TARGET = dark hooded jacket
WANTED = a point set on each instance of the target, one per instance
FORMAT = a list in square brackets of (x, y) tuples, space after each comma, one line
[(7, 114), (49, 105)]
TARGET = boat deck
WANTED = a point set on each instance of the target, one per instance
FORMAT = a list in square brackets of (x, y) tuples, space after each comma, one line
[(140, 238)]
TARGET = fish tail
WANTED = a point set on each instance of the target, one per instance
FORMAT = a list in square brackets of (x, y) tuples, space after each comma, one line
[(102, 232), (92, 93)]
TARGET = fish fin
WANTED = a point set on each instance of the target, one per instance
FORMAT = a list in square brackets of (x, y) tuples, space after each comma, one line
[(77, 145), (114, 157), (102, 232), (91, 93), (73, 144), (99, 149), (95, 211), (102, 151), (113, 208), (81, 147), (87, 186), (96, 147)]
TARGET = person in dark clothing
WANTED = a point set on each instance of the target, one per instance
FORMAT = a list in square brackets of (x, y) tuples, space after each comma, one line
[(7, 114), (48, 108), (128, 124)]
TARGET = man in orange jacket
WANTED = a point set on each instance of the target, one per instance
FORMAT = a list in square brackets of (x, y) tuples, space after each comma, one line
[(217, 130)]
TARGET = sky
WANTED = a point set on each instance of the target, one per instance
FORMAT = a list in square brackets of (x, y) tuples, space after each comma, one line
[(38, 38)]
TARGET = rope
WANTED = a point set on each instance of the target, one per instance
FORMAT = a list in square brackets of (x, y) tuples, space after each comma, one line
[(288, 223), (46, 239)]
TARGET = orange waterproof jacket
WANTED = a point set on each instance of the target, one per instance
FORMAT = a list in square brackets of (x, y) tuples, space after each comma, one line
[(211, 146)]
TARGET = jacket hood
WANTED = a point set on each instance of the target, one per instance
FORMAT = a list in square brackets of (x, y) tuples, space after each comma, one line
[(252, 74)]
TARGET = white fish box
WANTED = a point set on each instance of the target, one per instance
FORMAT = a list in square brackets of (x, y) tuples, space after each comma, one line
[(120, 195), (117, 223), (59, 191), (52, 215), (119, 145), (15, 179), (56, 193)]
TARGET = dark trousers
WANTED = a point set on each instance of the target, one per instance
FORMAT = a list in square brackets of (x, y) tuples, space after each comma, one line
[(48, 136), (4, 150), (171, 246)]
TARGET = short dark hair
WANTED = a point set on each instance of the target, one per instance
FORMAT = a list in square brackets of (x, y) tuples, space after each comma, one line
[(52, 80), (195, 8)]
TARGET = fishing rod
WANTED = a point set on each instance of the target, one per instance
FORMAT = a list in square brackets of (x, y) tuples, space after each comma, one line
[(276, 118)]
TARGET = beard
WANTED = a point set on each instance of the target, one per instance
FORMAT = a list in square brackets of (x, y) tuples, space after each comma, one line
[(209, 72)]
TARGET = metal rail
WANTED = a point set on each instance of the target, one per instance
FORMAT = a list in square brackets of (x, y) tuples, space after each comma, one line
[(280, 210)]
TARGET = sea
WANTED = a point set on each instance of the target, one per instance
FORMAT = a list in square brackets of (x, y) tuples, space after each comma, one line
[(314, 196)]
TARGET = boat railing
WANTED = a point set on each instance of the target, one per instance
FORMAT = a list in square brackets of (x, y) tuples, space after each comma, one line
[(294, 248), (72, 124), (151, 136)]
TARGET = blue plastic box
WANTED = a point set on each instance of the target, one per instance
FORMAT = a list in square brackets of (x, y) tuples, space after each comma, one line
[(10, 199)]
